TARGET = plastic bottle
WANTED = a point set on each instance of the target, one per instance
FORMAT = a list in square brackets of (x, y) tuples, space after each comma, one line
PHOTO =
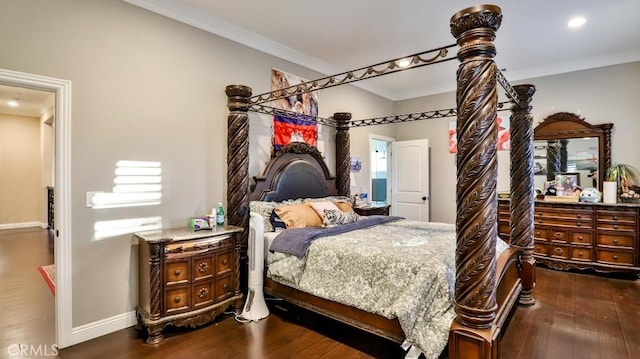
[(220, 215)]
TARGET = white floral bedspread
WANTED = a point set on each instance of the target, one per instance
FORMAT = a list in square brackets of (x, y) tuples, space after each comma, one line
[(402, 269)]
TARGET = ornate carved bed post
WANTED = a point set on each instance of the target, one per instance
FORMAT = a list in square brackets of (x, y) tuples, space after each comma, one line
[(238, 167), (343, 170), (563, 155), (476, 196), (522, 193)]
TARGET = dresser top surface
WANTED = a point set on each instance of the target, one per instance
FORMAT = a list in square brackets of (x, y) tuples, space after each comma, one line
[(185, 234), (599, 204)]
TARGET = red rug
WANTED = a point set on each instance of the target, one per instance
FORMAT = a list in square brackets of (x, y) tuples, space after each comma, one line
[(49, 274)]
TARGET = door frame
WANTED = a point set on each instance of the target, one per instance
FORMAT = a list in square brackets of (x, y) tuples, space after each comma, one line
[(62, 203), (388, 140)]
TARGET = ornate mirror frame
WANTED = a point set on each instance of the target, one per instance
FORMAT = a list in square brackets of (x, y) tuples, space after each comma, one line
[(566, 125)]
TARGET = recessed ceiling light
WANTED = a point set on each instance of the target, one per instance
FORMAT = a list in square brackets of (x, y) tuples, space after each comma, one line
[(12, 103), (576, 22)]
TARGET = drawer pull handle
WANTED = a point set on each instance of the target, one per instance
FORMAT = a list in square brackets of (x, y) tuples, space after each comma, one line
[(558, 235), (177, 272), (580, 253), (615, 258), (203, 267), (177, 299), (615, 226), (203, 293), (580, 238), (579, 223), (225, 286), (540, 220), (615, 218), (225, 261), (579, 216), (615, 241), (538, 233)]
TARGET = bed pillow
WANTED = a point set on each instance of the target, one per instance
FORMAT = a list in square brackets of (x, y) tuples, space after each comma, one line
[(332, 218), (299, 216), (344, 206), (319, 207), (276, 221), (265, 208)]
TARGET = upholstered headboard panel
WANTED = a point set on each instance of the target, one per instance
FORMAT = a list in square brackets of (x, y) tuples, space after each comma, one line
[(297, 171)]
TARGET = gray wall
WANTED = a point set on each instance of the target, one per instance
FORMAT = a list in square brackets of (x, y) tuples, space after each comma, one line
[(607, 94), (144, 87)]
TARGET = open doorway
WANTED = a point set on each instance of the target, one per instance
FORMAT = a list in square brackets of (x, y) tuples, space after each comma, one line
[(61, 178), (380, 169)]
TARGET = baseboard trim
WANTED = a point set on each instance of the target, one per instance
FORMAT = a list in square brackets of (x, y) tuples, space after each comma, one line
[(102, 327), (22, 225)]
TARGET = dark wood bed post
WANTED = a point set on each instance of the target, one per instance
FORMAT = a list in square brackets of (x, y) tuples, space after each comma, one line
[(522, 193), (343, 169), (471, 334), (238, 169)]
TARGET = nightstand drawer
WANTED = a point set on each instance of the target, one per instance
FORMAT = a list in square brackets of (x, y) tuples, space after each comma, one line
[(177, 273), (203, 294), (176, 300), (224, 288), (202, 268), (223, 263)]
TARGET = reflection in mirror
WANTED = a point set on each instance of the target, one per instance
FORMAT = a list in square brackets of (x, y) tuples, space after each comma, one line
[(576, 155), (565, 143)]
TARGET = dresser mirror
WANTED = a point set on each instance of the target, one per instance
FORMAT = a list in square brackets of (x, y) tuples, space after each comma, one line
[(564, 143)]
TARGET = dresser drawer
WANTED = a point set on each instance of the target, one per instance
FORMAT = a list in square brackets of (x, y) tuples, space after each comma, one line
[(562, 213), (541, 248), (176, 272), (223, 263), (504, 230), (617, 226), (224, 288), (566, 222), (616, 240), (203, 294), (585, 238), (616, 216), (541, 233), (559, 235), (581, 254), (614, 257), (176, 300), (559, 250), (202, 268)]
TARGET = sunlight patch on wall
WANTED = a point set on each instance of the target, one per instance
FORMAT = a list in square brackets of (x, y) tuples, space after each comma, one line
[(136, 183), (114, 228)]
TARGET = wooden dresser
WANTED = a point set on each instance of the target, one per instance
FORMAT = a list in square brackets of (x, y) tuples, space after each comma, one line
[(598, 236), (187, 278)]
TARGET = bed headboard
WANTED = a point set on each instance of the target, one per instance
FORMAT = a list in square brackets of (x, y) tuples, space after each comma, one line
[(296, 171)]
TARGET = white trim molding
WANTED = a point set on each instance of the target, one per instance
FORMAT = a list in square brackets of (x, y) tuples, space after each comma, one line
[(22, 225), (103, 327), (63, 241)]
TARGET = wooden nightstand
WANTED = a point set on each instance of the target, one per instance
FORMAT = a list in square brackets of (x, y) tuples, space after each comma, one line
[(371, 210), (187, 278)]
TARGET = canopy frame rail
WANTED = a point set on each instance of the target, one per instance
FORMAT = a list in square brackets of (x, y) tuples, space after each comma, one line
[(367, 72), (269, 110), (451, 112), (511, 93)]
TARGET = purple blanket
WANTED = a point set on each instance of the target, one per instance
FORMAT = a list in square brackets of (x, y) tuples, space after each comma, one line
[(296, 240)]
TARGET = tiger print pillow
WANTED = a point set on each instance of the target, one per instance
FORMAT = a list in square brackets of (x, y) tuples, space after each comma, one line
[(332, 218)]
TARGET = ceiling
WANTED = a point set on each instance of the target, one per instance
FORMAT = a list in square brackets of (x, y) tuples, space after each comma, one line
[(30, 102), (332, 36)]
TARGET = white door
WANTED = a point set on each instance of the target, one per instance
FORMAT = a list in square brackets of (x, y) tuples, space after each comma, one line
[(410, 179)]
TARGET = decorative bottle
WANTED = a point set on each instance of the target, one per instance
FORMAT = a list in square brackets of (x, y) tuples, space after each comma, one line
[(220, 215)]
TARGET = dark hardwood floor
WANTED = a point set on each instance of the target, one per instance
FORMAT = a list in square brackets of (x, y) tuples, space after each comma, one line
[(577, 315), (27, 304)]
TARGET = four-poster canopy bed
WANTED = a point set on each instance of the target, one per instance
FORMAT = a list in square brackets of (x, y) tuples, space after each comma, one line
[(487, 285)]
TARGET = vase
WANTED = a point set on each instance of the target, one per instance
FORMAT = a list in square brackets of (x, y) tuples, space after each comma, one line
[(609, 192)]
